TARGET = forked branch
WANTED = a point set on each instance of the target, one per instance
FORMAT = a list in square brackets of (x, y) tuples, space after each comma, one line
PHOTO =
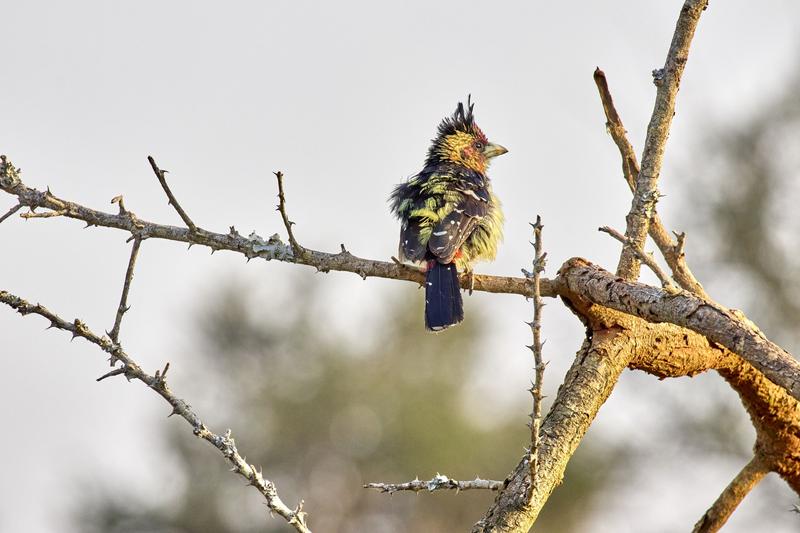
[(671, 250), (667, 80)]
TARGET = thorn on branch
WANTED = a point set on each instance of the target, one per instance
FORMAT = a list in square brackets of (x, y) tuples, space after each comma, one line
[(160, 377), (115, 372)]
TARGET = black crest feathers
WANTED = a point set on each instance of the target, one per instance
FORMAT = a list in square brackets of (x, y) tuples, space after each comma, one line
[(462, 120)]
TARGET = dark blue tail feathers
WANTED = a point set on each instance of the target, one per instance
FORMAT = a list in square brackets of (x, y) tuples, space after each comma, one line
[(443, 304)]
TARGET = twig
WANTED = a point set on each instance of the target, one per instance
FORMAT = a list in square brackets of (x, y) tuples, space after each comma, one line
[(536, 329), (645, 258), (667, 81), (172, 200), (10, 212), (298, 250), (630, 166), (123, 301), (438, 482), (224, 443), (732, 496), (671, 250)]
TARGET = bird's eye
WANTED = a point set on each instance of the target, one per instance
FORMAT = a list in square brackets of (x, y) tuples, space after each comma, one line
[(479, 145)]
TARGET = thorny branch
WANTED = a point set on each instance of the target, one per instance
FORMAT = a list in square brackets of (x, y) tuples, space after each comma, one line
[(438, 482), (251, 247), (160, 174), (297, 250), (123, 301), (536, 329), (131, 370)]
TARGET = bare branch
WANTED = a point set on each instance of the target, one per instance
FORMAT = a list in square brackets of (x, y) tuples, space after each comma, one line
[(536, 329), (645, 258), (255, 246), (10, 212), (131, 369), (438, 482), (172, 200), (731, 497), (123, 301), (672, 251), (298, 250), (667, 80)]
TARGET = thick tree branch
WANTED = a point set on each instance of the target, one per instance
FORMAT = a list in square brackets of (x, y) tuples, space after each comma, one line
[(731, 497), (583, 279), (671, 250), (438, 482), (668, 81), (131, 370)]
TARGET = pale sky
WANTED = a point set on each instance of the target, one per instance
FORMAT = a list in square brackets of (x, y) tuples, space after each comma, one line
[(343, 97)]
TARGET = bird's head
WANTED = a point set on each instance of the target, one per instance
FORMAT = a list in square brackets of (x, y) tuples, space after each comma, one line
[(461, 141)]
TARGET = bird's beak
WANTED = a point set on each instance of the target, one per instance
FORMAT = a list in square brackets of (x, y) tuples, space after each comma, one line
[(493, 150)]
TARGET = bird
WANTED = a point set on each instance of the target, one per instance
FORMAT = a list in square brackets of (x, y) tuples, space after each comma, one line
[(449, 216)]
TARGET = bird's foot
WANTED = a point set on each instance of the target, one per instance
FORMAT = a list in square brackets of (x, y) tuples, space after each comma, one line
[(470, 281)]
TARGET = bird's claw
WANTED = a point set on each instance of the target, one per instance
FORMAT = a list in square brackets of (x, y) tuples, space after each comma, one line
[(470, 281)]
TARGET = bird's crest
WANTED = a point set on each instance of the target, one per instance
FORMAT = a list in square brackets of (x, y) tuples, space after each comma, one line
[(462, 120)]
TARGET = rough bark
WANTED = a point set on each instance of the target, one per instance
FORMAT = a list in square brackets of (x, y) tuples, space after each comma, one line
[(668, 81), (718, 324)]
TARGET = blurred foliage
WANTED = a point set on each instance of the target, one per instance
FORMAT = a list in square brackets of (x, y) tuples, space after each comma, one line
[(324, 417), (746, 189), (741, 204)]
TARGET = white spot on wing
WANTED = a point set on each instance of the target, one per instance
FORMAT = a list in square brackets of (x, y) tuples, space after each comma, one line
[(439, 233)]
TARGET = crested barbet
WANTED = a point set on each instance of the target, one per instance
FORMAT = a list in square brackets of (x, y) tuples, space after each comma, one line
[(448, 214)]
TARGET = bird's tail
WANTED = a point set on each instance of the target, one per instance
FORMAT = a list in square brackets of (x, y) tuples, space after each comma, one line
[(443, 304)]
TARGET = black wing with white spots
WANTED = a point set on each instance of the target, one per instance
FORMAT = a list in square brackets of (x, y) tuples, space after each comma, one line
[(450, 233)]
